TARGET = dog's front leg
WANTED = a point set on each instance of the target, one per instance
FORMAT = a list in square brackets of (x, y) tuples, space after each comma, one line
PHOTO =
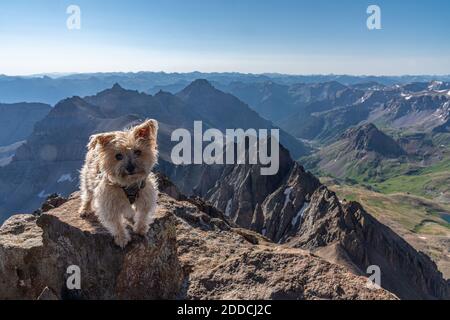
[(111, 204), (145, 209)]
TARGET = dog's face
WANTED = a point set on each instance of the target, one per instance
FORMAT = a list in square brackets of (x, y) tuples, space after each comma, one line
[(127, 156)]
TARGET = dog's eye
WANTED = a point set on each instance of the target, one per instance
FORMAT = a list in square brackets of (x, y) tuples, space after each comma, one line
[(137, 153), (119, 157)]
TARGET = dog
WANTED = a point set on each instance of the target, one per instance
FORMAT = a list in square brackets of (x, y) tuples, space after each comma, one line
[(116, 181)]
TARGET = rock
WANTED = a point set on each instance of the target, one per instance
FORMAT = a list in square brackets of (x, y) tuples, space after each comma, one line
[(188, 254), (168, 187), (37, 252), (265, 204), (52, 202)]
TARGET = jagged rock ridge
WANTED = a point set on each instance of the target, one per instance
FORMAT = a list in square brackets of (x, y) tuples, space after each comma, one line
[(346, 234)]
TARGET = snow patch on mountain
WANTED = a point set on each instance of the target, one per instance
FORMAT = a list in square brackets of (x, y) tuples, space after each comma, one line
[(43, 195), (6, 160), (300, 214), (406, 96), (228, 208), (287, 198), (65, 178)]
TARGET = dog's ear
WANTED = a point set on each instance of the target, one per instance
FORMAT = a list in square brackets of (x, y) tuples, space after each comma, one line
[(147, 131), (100, 139)]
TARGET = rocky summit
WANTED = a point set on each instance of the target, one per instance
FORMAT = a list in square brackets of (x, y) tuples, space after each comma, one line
[(190, 252)]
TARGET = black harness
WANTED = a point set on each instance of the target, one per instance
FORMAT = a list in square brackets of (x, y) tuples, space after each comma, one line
[(132, 191)]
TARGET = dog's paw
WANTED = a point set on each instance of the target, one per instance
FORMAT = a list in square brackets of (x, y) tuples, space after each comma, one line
[(129, 214), (141, 229), (89, 216), (122, 240), (85, 214)]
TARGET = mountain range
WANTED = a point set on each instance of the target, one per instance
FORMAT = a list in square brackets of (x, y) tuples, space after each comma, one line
[(51, 88), (50, 159), (323, 111), (360, 135)]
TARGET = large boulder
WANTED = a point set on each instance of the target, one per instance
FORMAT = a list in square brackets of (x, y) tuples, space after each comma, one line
[(36, 252)]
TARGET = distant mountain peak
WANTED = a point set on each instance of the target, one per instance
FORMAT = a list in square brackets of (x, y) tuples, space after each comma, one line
[(162, 93), (368, 127), (116, 90), (198, 88), (116, 87), (368, 137), (70, 102), (199, 84)]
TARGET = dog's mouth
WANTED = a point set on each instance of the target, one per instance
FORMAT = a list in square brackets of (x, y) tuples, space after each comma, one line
[(132, 174)]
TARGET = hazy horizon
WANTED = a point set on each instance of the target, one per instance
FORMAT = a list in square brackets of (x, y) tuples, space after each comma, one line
[(64, 74)]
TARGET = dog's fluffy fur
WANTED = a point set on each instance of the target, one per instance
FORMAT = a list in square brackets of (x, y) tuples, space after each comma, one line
[(116, 160)]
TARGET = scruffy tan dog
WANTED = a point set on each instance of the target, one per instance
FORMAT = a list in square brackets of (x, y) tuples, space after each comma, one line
[(116, 179)]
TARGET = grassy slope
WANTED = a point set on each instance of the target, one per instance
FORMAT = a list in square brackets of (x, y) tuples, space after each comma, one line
[(390, 176), (415, 218), (429, 182), (407, 210)]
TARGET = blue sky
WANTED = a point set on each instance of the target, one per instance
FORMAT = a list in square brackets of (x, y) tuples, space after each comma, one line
[(290, 36)]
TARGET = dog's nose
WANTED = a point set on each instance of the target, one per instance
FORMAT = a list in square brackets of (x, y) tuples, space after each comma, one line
[(130, 168)]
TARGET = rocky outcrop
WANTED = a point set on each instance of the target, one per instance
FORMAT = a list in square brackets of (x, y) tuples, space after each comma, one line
[(36, 252), (190, 252), (53, 201), (346, 234), (270, 205)]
